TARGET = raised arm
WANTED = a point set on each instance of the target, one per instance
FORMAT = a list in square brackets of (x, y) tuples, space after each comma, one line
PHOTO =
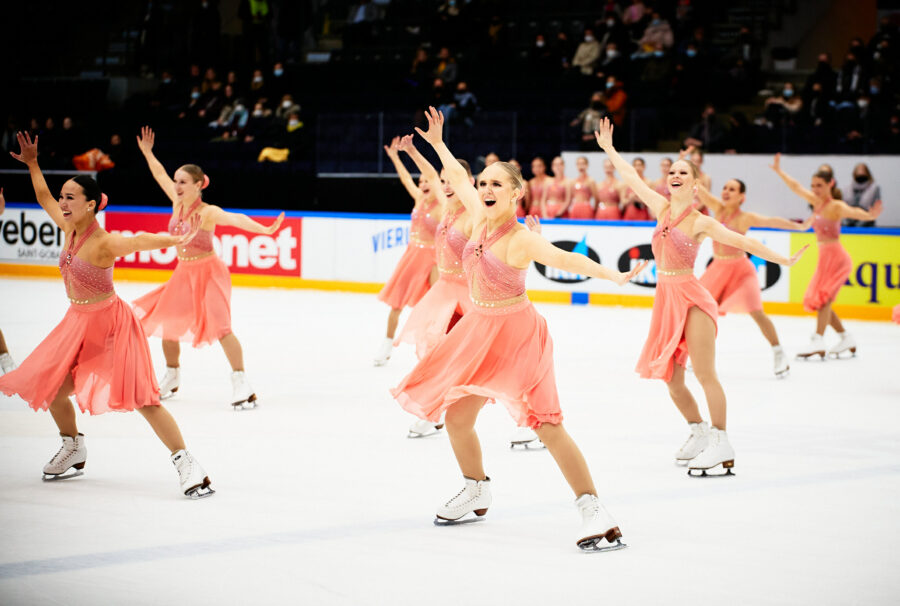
[(28, 153), (629, 175), (713, 203), (792, 183), (222, 217), (145, 143), (393, 152), (429, 173), (527, 246), (755, 220), (116, 245), (453, 170), (707, 226)]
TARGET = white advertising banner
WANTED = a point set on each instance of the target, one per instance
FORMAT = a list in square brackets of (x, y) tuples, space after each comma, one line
[(28, 236), (352, 249)]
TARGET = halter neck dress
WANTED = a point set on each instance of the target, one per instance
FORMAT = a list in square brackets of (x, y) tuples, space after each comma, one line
[(409, 281), (731, 277), (834, 264)]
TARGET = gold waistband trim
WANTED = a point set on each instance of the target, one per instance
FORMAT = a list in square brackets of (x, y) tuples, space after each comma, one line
[(738, 256), (674, 272), (451, 272), (197, 257), (502, 303), (420, 243), (96, 299)]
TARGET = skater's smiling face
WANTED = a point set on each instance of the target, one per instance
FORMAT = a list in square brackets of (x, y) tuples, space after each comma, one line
[(499, 187), (821, 188), (681, 178), (74, 204), (558, 166), (424, 186), (608, 169), (187, 188), (733, 193), (538, 168), (582, 165)]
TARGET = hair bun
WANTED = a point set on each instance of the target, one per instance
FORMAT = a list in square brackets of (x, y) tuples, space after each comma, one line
[(205, 182), (103, 201)]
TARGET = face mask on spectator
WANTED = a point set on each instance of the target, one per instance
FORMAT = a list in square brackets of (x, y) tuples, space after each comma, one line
[(860, 178), (610, 83), (293, 122), (540, 43), (691, 52), (658, 53), (195, 95), (257, 113), (656, 22), (278, 72), (874, 90), (787, 93), (610, 22), (876, 55), (588, 38), (167, 80), (258, 79), (863, 103), (286, 103), (612, 53)]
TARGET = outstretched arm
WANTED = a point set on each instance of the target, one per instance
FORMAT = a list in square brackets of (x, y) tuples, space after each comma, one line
[(707, 199), (393, 152), (755, 220), (631, 177), (239, 220), (860, 214), (116, 245), (28, 155), (707, 226), (145, 143), (453, 170), (527, 246), (429, 173), (792, 183)]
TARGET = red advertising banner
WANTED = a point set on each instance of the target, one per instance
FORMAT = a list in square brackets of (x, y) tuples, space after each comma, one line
[(243, 252)]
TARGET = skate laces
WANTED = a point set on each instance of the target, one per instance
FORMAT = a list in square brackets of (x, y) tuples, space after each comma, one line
[(184, 466), (59, 459)]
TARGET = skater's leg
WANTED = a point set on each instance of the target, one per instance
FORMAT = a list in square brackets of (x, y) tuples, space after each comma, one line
[(835, 321), (63, 410), (3, 348), (700, 334), (165, 427), (823, 318), (568, 457), (172, 351), (232, 348), (766, 326), (683, 397), (393, 318), (460, 424)]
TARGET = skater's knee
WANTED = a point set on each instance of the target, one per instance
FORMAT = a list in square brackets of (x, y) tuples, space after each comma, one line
[(706, 375), (462, 414)]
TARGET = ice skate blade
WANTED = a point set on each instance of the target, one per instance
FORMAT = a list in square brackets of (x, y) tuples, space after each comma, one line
[(837, 354), (62, 476), (414, 436), (727, 465), (807, 356), (595, 544), (169, 394), (783, 373), (248, 404), (529, 445), (201, 491), (466, 519)]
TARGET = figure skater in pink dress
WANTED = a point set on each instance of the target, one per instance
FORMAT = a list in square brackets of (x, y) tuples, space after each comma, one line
[(557, 194), (194, 306), (608, 195), (502, 350), (684, 313), (415, 272), (659, 186), (583, 192), (731, 277), (834, 264), (98, 351), (536, 186), (633, 208)]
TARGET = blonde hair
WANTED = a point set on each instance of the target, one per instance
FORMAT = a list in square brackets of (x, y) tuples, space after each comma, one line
[(514, 174)]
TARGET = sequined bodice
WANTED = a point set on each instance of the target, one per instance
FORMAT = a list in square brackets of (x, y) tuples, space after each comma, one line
[(673, 249), (84, 281), (449, 244), (581, 191), (826, 229), (423, 226), (608, 194), (723, 250), (556, 191), (199, 245), (492, 283)]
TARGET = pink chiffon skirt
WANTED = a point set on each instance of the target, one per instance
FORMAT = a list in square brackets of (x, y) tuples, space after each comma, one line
[(194, 306), (633, 213), (733, 284), (501, 356), (552, 209), (607, 212), (666, 345), (581, 210), (104, 348), (831, 273), (409, 282), (431, 316)]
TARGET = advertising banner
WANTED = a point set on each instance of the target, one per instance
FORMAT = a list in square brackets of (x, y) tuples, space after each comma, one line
[(353, 249), (29, 236)]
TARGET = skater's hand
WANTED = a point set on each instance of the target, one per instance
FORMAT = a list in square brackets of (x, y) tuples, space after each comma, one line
[(808, 223), (776, 164), (874, 211), (146, 139), (625, 277), (194, 227), (686, 152), (435, 133), (274, 227), (393, 149), (796, 256), (28, 151), (406, 143), (604, 135), (533, 223)]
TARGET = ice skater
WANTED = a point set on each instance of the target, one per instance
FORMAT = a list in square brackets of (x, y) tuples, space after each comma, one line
[(731, 277), (98, 351), (684, 313), (834, 264), (415, 271), (501, 350), (194, 306), (557, 194)]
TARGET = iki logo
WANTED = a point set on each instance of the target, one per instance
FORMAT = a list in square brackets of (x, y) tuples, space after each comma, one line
[(635, 255), (558, 275)]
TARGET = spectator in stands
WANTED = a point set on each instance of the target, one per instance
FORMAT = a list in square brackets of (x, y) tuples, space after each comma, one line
[(862, 193), (883, 63), (441, 99), (587, 54), (446, 68), (782, 109), (71, 141), (168, 95), (193, 79), (543, 58), (708, 133), (277, 85), (824, 75), (633, 15), (420, 71), (286, 107), (612, 63), (589, 119), (465, 103), (258, 86), (258, 124), (490, 158), (231, 79), (210, 80), (616, 100), (850, 79), (563, 48), (193, 106), (658, 32), (118, 153), (212, 100), (816, 117), (611, 31), (49, 143), (861, 126)]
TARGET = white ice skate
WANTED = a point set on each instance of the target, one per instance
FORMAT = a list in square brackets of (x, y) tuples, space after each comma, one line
[(815, 348), (846, 344), (422, 428), (597, 525), (475, 498), (194, 481), (170, 382), (695, 443), (526, 438), (70, 458), (781, 365), (384, 352), (7, 364), (242, 395), (717, 452)]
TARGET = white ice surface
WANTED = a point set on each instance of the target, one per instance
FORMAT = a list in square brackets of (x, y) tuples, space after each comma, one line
[(323, 500)]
